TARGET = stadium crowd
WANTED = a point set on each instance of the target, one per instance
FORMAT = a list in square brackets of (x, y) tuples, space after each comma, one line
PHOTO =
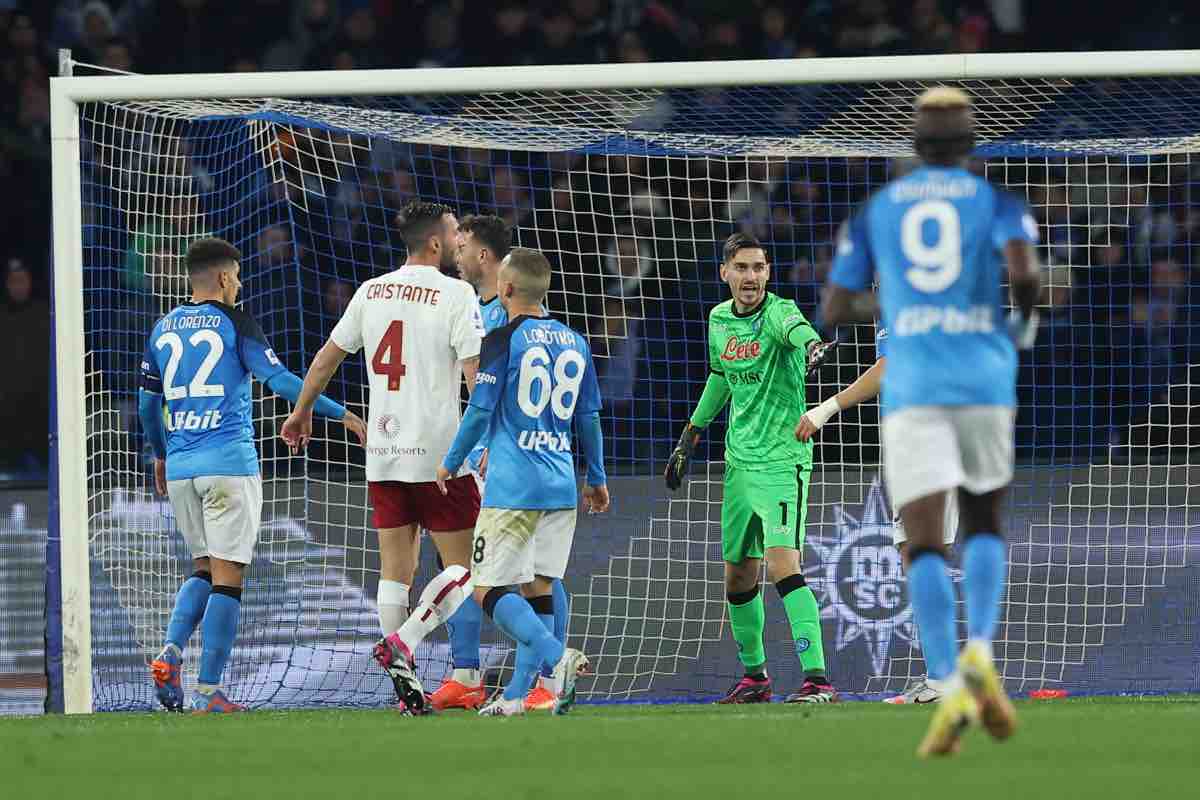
[(632, 232)]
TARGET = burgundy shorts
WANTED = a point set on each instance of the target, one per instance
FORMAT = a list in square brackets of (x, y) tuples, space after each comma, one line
[(398, 504)]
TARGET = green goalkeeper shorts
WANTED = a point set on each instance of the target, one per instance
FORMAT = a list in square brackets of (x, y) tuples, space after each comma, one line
[(761, 510)]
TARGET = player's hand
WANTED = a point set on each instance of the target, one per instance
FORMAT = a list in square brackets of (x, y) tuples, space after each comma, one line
[(805, 429), (681, 456), (160, 477), (597, 498), (297, 430), (1022, 330), (354, 423), (483, 464), (818, 354), (440, 479)]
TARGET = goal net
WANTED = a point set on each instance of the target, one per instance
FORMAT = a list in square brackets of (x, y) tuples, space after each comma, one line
[(631, 192)]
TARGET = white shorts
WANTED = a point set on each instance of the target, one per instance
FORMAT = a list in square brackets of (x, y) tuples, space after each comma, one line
[(930, 449), (950, 531), (219, 515), (511, 546)]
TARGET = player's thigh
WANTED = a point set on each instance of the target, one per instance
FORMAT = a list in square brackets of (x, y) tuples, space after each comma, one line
[(232, 515), (920, 453), (189, 515), (741, 528), (552, 540), (502, 552), (949, 531), (780, 499), (399, 551), (454, 511), (985, 439)]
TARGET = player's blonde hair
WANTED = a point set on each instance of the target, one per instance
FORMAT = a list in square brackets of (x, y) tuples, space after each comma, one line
[(943, 98), (529, 272)]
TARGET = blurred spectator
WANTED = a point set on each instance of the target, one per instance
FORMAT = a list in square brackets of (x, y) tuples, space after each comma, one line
[(869, 29), (312, 28), (617, 339), (116, 55), (24, 397), (591, 29), (627, 266), (559, 41), (1058, 284), (97, 26), (929, 30), (510, 37), (442, 42), (335, 297)]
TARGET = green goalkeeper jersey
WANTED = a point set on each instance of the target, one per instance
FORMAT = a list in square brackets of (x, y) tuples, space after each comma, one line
[(760, 357)]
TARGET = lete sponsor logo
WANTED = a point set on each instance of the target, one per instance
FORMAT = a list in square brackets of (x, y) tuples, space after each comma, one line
[(740, 351)]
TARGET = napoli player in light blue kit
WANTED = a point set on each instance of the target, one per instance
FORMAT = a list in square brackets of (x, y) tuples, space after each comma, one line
[(198, 361), (483, 242), (937, 241), (535, 378)]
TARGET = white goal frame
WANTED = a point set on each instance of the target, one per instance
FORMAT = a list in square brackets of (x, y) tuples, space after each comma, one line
[(67, 93)]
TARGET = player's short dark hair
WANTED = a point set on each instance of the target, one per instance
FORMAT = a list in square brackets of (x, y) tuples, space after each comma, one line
[(204, 254), (944, 127), (534, 269), (740, 241), (418, 221), (494, 233)]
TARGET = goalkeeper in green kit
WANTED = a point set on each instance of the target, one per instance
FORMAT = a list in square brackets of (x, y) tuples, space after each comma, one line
[(761, 348)]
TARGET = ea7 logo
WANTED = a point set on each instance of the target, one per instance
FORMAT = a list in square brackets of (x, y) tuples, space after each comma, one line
[(191, 421), (544, 440)]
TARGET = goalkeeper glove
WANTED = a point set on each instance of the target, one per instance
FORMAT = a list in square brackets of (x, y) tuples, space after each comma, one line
[(818, 354), (681, 456), (1022, 329)]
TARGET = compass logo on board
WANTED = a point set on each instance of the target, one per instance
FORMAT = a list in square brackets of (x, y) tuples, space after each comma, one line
[(388, 426), (859, 583)]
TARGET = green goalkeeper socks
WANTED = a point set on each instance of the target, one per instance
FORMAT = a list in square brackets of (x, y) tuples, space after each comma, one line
[(805, 617), (747, 619)]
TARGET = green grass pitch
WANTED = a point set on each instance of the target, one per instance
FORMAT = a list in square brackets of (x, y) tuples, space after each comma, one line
[(1086, 748)]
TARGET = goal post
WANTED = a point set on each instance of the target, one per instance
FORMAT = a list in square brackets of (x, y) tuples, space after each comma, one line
[(628, 175)]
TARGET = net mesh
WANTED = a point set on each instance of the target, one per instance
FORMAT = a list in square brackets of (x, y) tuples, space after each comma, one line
[(631, 193)]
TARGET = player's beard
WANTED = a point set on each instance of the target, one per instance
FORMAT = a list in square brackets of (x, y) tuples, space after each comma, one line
[(449, 265)]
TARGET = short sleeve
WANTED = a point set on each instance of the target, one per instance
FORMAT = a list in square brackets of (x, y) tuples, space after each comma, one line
[(348, 333), (589, 388), (493, 369), (1013, 221), (466, 331), (258, 357), (151, 379), (783, 317), (881, 342), (852, 265)]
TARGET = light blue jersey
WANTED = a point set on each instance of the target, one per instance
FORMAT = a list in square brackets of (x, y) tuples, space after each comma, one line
[(199, 357), (493, 313), (933, 240), (535, 375)]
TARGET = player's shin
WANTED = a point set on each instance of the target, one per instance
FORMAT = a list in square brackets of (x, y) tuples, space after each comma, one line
[(983, 562), (516, 618), (440, 599), (747, 620), (804, 616), (562, 615), (932, 596), (464, 627), (190, 603), (392, 601), (218, 629)]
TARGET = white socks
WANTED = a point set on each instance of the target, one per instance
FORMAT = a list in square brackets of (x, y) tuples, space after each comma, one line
[(392, 599), (439, 599)]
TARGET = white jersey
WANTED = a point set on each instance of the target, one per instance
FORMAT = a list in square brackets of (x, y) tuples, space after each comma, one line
[(417, 326)]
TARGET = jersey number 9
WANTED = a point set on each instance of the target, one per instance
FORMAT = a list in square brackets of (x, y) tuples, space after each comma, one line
[(934, 266), (560, 393)]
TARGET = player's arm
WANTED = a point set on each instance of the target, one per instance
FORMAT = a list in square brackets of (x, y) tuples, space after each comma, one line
[(489, 380), (714, 397), (847, 296), (1015, 233), (150, 412), (591, 440), (865, 387), (466, 335)]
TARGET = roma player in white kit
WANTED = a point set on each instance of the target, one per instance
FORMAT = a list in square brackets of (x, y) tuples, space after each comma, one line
[(421, 331)]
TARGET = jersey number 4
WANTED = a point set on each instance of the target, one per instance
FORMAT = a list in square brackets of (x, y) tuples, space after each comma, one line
[(389, 355)]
